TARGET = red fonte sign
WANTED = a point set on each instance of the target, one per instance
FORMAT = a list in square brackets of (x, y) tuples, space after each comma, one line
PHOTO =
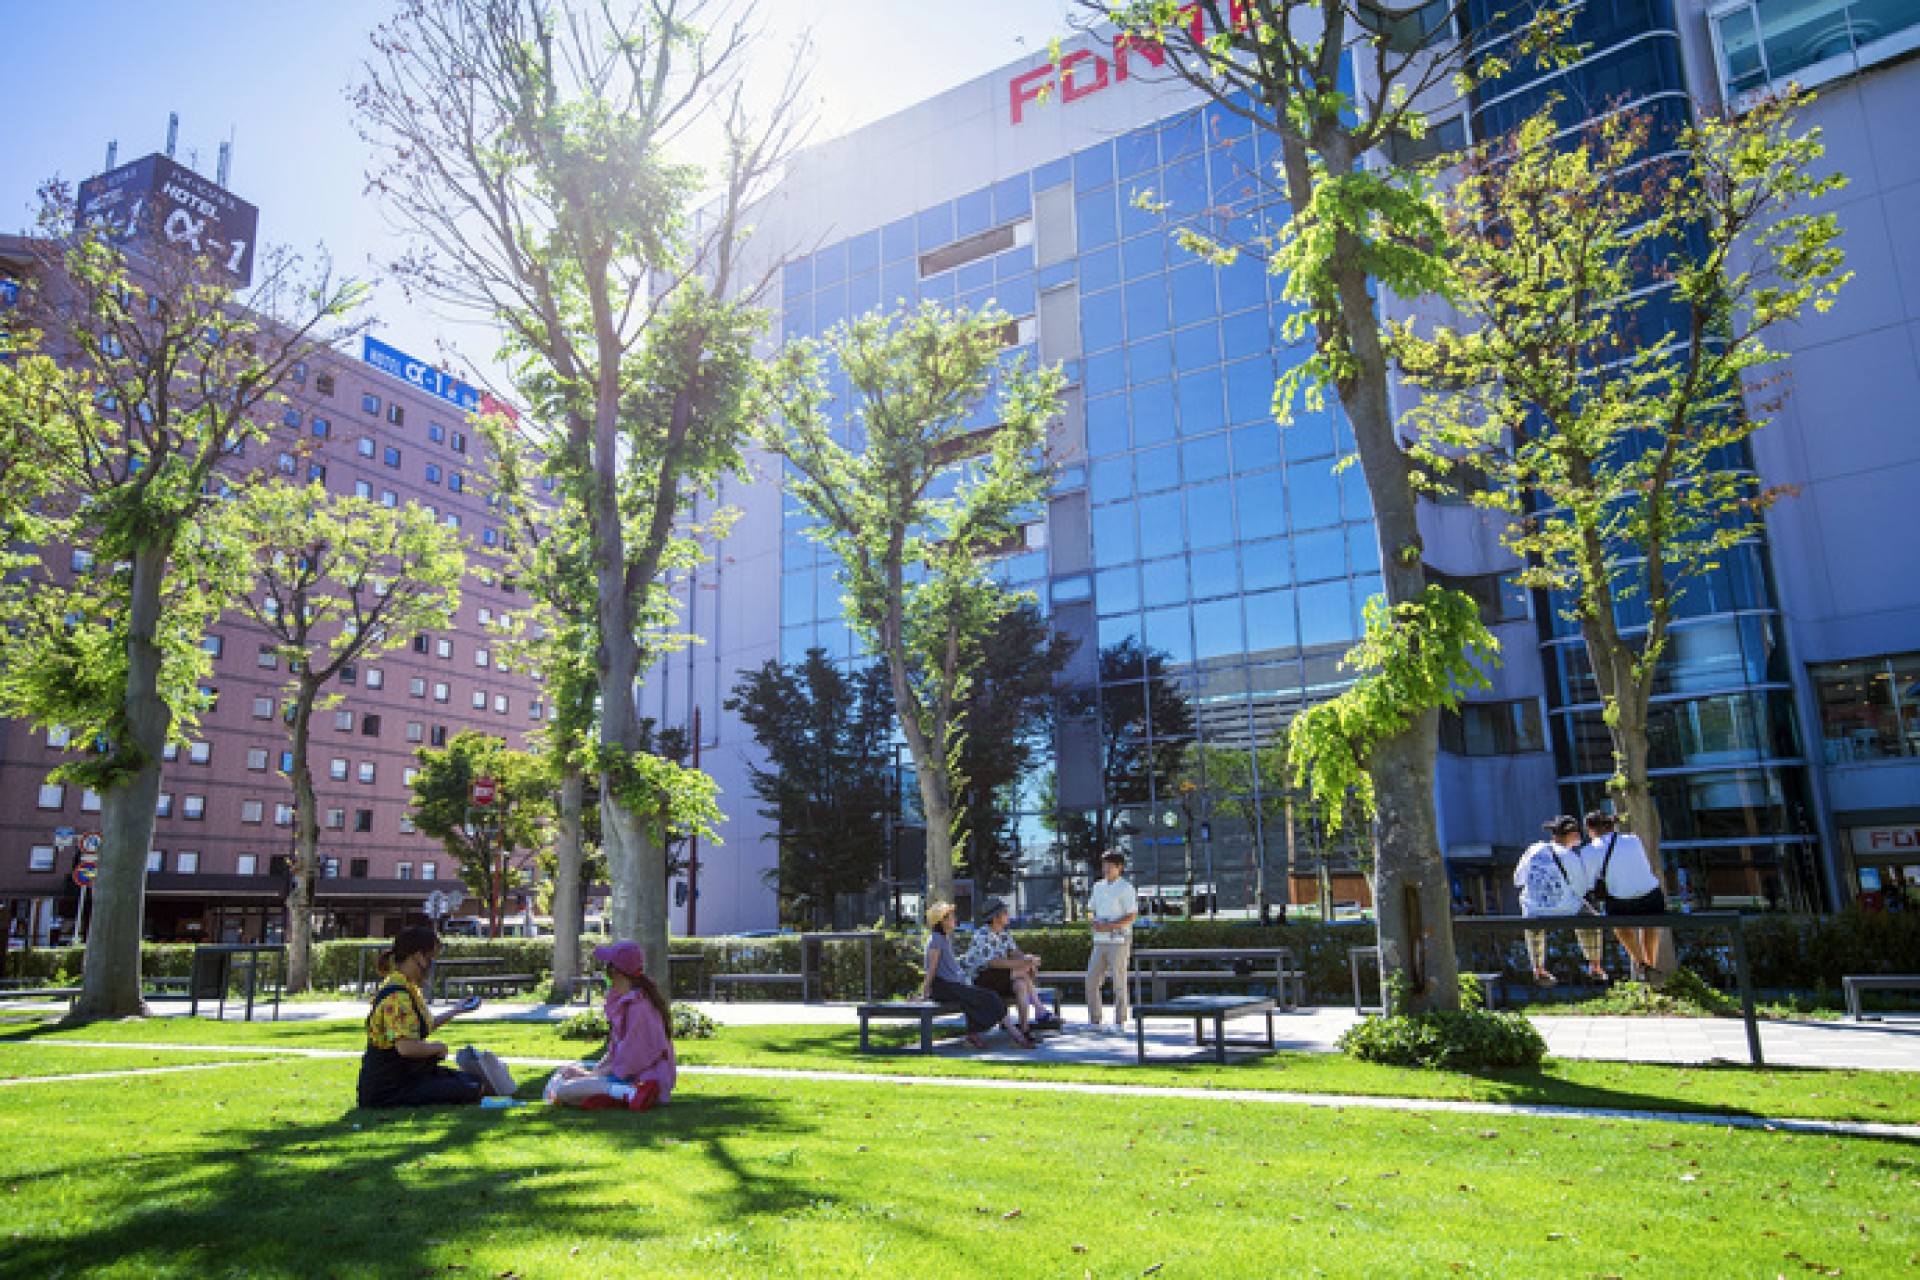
[(1085, 72)]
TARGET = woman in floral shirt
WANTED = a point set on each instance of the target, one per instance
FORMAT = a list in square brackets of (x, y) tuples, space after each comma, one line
[(401, 1066), (996, 962)]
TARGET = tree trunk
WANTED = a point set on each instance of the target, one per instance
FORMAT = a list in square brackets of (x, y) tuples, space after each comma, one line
[(1632, 792), (111, 985), (306, 846), (568, 857)]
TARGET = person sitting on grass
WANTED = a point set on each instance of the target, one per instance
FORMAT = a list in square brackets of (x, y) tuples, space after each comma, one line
[(639, 1069), (997, 963), (946, 982), (402, 1067)]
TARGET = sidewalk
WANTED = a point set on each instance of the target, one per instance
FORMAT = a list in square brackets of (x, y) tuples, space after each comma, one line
[(1892, 1045)]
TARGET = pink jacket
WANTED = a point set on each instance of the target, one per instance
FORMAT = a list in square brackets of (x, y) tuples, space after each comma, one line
[(639, 1047)]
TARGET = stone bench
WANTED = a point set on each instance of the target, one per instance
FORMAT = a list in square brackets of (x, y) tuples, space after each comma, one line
[(729, 981), (1854, 984), (920, 1011)]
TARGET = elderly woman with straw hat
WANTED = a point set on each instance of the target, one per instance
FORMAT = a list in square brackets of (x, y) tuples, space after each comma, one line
[(946, 982)]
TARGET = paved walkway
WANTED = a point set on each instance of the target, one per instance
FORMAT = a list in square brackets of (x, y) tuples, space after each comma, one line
[(1891, 1045)]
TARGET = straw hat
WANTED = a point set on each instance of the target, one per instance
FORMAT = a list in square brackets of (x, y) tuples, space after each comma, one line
[(938, 912)]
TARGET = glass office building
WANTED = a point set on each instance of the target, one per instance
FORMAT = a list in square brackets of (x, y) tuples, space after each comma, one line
[(1212, 565)]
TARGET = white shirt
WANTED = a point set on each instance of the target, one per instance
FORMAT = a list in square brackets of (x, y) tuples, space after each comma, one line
[(1629, 874), (1551, 879), (1112, 900)]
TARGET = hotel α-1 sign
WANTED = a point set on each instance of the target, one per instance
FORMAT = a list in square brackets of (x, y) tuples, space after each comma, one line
[(157, 200), (419, 373)]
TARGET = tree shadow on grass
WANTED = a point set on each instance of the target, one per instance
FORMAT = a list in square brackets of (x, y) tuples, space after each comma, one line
[(393, 1192)]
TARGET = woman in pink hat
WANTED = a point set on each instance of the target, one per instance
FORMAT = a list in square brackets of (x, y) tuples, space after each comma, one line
[(639, 1069)]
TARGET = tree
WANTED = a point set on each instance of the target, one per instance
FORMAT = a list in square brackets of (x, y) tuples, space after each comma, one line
[(1356, 226), (828, 787), (935, 490), (149, 376), (482, 838), (1611, 305), (1006, 718), (338, 580), (525, 146)]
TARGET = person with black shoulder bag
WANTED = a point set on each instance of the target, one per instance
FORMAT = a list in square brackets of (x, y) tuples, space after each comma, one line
[(1625, 884)]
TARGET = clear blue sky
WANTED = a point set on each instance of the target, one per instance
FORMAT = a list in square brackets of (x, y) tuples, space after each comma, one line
[(273, 76)]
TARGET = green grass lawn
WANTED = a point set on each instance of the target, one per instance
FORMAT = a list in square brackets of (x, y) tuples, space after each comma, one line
[(265, 1171), (1781, 1092)]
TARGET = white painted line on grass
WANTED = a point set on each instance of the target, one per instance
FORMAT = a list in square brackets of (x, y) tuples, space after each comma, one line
[(132, 1071)]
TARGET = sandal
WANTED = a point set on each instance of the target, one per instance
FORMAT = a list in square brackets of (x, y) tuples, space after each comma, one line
[(973, 1039), (1541, 978), (1021, 1040)]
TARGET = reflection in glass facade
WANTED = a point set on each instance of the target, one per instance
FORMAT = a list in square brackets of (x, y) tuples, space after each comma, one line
[(1729, 768), (1212, 566)]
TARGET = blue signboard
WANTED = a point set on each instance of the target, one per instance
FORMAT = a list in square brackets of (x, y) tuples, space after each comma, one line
[(9, 292), (165, 202), (420, 374)]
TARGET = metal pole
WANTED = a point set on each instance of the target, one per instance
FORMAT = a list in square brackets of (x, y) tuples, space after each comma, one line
[(693, 848), (1745, 980)]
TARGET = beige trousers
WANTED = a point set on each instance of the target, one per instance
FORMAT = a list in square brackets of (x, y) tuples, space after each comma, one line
[(1109, 959)]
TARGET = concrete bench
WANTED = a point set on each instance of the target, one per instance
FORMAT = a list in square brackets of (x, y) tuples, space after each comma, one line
[(1200, 1010), (1292, 994), (492, 984), (920, 1011), (728, 981), (1854, 984)]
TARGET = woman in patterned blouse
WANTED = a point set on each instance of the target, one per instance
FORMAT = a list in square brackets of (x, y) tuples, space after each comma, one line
[(996, 962)]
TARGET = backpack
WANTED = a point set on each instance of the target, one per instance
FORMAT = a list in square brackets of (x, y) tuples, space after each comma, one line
[(1547, 889)]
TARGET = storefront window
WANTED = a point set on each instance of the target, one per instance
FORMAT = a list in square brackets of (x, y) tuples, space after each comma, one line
[(1869, 708)]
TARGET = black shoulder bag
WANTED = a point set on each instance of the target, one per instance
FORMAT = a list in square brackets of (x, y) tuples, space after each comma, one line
[(1597, 897)]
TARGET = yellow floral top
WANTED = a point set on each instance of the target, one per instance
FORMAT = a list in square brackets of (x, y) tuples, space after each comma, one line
[(398, 1014)]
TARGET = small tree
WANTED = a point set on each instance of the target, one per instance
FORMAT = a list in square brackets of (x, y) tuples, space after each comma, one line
[(1611, 306), (338, 580), (482, 839), (827, 736), (916, 513), (146, 376)]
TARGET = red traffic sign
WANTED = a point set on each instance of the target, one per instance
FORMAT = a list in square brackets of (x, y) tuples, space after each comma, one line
[(86, 869), (483, 791), (90, 843)]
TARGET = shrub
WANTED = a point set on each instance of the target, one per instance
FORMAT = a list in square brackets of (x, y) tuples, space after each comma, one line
[(1464, 1041), (589, 1025), (691, 1024)]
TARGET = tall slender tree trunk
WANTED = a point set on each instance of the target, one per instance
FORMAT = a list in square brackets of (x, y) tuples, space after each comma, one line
[(110, 987), (568, 857), (306, 845), (930, 774)]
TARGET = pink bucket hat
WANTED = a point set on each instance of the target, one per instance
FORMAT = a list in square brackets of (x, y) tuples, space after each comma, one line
[(627, 957)]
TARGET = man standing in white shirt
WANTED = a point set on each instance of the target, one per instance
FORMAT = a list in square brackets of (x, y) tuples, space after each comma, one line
[(1112, 908)]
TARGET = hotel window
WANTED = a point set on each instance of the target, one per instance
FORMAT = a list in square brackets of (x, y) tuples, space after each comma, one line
[(286, 464), (80, 561), (433, 473), (213, 646), (453, 520), (391, 456), (199, 752), (480, 657), (1493, 728), (1869, 708), (406, 824), (58, 735), (256, 758), (416, 732), (53, 795), (186, 863), (369, 403), (500, 704), (247, 864), (408, 774), (376, 678), (337, 769), (366, 770), (170, 752), (268, 659), (291, 418), (156, 861), (459, 442), (490, 536), (440, 691), (193, 808), (336, 819), (357, 868), (403, 871), (323, 383), (283, 815), (444, 648), (253, 811), (316, 472), (457, 483), (533, 709), (365, 447), (322, 428), (370, 726), (89, 800), (397, 415), (361, 489), (389, 499), (343, 721), (286, 762), (40, 858), (429, 871), (363, 820), (479, 699), (436, 433), (438, 736), (417, 686), (330, 868), (486, 616), (263, 708)]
